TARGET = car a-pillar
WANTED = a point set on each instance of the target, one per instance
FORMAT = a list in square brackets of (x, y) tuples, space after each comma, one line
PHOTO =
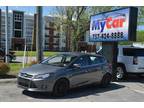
[(110, 51)]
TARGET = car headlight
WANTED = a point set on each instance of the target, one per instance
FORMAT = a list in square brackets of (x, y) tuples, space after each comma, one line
[(42, 76), (19, 74)]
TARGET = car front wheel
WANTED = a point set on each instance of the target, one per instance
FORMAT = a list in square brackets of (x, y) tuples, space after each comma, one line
[(61, 87), (106, 80)]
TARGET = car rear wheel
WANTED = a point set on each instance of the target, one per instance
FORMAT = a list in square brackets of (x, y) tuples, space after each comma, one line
[(120, 73), (106, 80), (61, 87)]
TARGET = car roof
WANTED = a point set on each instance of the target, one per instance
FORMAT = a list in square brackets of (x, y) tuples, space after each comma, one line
[(78, 54), (129, 46)]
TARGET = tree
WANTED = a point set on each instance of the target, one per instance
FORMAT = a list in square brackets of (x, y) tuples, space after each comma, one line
[(141, 12), (72, 19), (98, 9)]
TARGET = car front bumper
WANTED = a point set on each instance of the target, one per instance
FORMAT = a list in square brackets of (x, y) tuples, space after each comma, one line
[(45, 85)]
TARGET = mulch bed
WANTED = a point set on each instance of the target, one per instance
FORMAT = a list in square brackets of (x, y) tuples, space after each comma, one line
[(7, 76)]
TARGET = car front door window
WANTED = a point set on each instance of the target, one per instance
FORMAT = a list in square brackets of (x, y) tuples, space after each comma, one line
[(82, 61)]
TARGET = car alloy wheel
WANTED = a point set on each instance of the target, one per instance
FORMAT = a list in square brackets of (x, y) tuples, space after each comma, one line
[(61, 87), (106, 80), (119, 72)]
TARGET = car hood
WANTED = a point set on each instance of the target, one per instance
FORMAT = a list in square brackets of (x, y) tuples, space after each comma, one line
[(41, 69)]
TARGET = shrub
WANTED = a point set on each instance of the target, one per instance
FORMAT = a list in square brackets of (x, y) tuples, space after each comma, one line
[(4, 68)]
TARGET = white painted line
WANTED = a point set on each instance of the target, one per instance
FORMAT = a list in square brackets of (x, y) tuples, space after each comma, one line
[(139, 91), (115, 82), (29, 98)]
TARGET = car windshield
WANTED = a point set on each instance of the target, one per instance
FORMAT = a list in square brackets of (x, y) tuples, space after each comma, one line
[(59, 60)]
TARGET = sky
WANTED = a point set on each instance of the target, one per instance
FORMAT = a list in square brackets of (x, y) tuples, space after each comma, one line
[(47, 10)]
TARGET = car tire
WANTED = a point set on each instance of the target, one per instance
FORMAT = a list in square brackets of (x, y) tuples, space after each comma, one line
[(61, 87), (106, 80), (120, 72)]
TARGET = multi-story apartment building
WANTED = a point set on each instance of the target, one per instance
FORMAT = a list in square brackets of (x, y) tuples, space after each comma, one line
[(22, 31), (2, 29)]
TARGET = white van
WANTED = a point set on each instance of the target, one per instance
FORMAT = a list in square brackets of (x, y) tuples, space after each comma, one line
[(130, 60)]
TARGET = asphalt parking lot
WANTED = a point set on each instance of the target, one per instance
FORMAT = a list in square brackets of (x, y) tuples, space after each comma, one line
[(131, 90)]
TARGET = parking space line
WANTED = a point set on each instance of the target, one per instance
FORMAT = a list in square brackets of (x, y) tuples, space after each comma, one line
[(139, 91), (115, 82)]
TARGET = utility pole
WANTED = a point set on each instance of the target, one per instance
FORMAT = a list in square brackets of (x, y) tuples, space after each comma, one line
[(6, 35), (110, 51), (0, 28), (39, 34)]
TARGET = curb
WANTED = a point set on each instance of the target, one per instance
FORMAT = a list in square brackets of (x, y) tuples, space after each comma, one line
[(12, 80)]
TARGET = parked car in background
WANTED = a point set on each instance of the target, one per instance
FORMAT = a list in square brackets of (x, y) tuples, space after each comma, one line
[(130, 60), (11, 55), (59, 73)]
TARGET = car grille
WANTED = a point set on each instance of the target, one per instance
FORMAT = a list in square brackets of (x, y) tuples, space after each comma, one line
[(26, 83), (23, 82), (32, 85)]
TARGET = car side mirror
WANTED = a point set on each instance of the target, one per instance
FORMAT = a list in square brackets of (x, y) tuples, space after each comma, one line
[(76, 65)]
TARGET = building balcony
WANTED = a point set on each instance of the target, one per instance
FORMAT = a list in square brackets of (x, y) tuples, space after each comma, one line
[(47, 35), (56, 36), (57, 43)]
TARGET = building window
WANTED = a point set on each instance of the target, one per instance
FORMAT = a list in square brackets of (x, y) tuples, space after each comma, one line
[(47, 32), (18, 25), (18, 34), (64, 41), (18, 17), (46, 40)]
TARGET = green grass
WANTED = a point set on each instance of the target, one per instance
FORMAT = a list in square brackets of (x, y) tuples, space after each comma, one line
[(140, 36), (140, 23), (33, 53), (125, 43), (15, 68)]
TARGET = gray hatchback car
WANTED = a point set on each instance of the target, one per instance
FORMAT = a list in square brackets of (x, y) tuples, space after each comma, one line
[(59, 73)]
